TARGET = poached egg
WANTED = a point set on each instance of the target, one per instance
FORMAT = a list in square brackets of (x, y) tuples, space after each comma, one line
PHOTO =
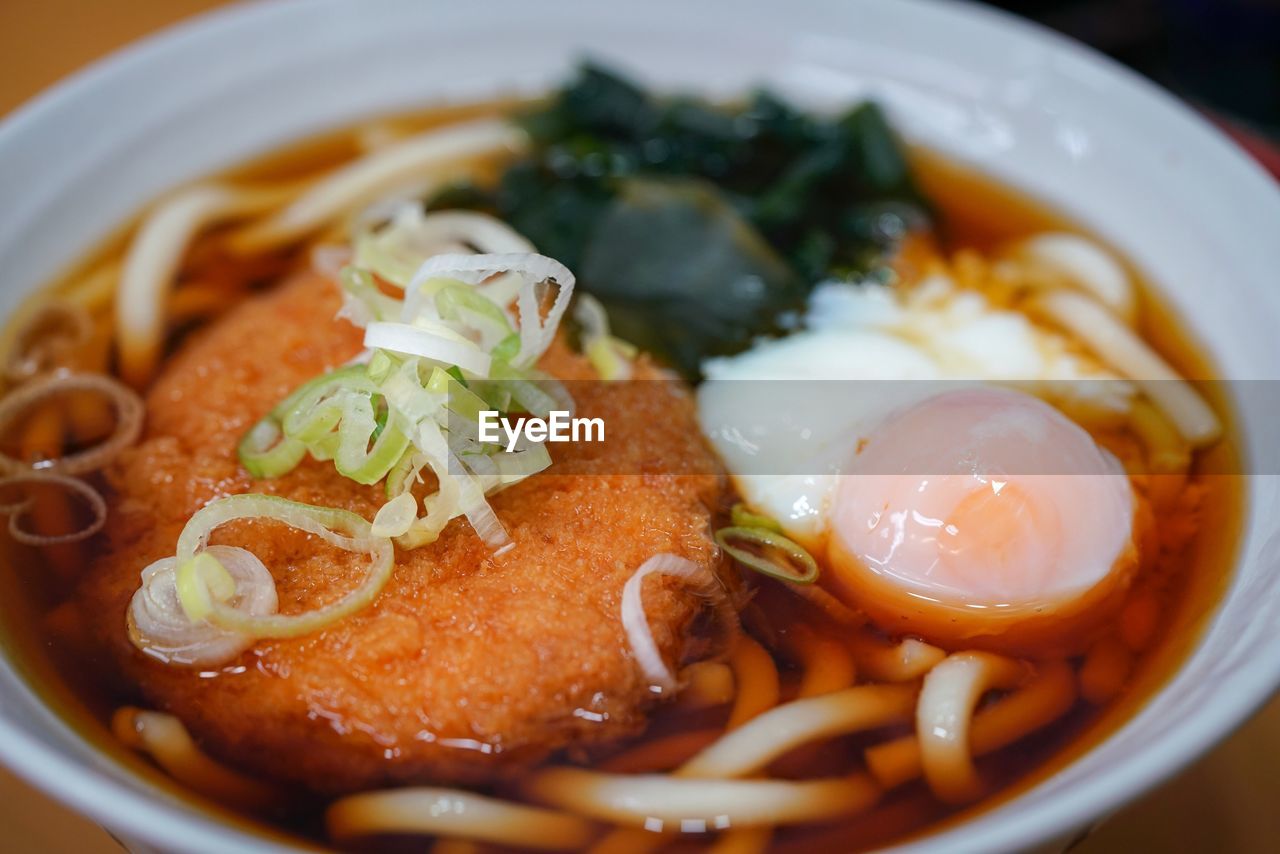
[(885, 438)]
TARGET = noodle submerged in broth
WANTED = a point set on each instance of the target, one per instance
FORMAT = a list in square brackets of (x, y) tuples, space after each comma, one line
[(336, 609)]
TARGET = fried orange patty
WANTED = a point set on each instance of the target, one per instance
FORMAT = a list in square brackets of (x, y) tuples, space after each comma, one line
[(470, 665)]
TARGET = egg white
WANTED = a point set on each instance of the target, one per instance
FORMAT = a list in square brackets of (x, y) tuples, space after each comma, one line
[(786, 416)]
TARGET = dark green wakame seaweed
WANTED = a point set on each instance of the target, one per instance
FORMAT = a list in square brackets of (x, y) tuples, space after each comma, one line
[(699, 226)]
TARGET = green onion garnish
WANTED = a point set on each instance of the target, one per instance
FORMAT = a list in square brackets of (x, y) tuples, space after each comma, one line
[(757, 542), (610, 356), (462, 336), (741, 517)]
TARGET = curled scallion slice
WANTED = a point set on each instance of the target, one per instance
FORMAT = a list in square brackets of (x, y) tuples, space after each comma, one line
[(769, 553), (202, 581), (742, 517), (159, 625), (611, 357), (362, 301), (48, 340), (396, 517), (276, 444), (18, 510), (355, 458), (436, 344), (464, 306), (644, 647), (128, 408), (395, 251), (533, 270), (265, 452), (533, 391), (314, 409)]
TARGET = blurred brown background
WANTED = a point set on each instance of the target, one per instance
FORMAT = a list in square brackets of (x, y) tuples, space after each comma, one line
[(1223, 55)]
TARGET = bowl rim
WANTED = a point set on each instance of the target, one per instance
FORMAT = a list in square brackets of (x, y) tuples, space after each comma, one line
[(156, 816)]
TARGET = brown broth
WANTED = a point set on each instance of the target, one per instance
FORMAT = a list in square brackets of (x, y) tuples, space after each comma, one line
[(978, 213)]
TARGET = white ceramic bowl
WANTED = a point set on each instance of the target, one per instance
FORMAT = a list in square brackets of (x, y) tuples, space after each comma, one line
[(1024, 105)]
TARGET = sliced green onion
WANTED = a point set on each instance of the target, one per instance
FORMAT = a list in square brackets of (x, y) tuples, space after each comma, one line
[(463, 304), (460, 400), (397, 249), (420, 299), (265, 451), (314, 409), (742, 517), (444, 504), (387, 254), (354, 458), (536, 332), (405, 392), (338, 527), (363, 301), (777, 556), (325, 448), (533, 391), (499, 470), (484, 521), (381, 364), (396, 517), (398, 479), (496, 395), (610, 356), (507, 349), (157, 620), (434, 344), (205, 582)]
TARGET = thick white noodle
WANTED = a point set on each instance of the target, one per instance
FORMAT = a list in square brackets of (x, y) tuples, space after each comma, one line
[(943, 716), (905, 661), (764, 738), (661, 802), (1127, 354), (456, 814), (1048, 696), (427, 157), (1086, 265), (166, 740), (153, 258)]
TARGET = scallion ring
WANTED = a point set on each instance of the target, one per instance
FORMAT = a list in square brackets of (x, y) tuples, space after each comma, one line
[(355, 458), (265, 451), (275, 445), (18, 510), (204, 586), (742, 517), (129, 414), (777, 556)]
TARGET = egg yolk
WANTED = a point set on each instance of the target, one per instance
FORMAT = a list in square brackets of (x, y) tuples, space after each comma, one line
[(983, 516)]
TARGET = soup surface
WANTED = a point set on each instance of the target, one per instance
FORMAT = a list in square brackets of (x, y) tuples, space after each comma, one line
[(514, 662)]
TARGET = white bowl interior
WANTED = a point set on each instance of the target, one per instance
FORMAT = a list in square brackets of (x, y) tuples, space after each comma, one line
[(1020, 104)]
